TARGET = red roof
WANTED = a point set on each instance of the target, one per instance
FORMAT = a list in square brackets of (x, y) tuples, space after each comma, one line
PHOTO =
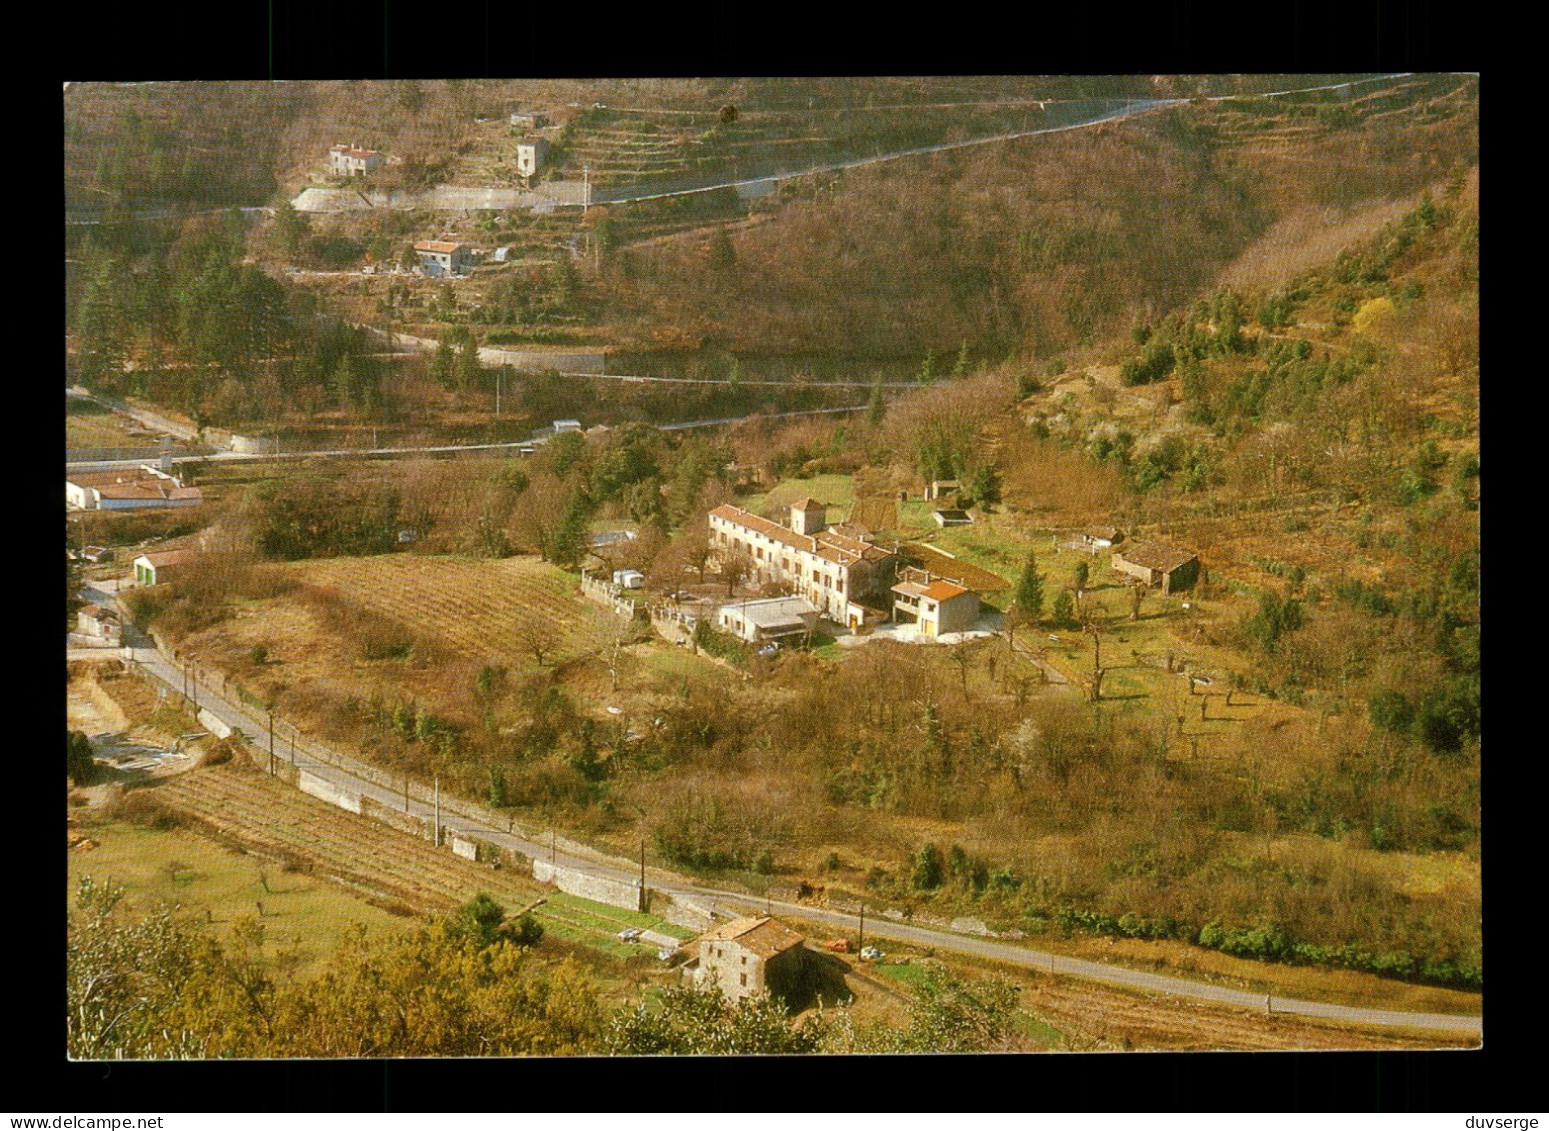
[(438, 245), (825, 544), (351, 151)]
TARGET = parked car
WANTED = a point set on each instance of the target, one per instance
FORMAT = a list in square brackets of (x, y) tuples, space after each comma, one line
[(839, 946), (630, 934), (871, 953)]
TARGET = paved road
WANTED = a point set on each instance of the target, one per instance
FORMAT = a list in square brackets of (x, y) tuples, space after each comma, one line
[(340, 770), (443, 449)]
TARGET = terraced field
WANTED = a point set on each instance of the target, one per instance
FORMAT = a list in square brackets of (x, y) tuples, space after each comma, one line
[(472, 607), (271, 818), (387, 867)]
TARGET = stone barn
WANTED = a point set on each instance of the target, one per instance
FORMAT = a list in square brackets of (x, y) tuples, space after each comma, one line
[(1157, 563), (747, 956)]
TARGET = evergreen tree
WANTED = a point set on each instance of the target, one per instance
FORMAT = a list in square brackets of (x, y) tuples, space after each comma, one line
[(1064, 612), (101, 334), (569, 540), (928, 369), (1028, 596), (443, 365), (343, 384), (468, 370), (960, 366), (875, 409)]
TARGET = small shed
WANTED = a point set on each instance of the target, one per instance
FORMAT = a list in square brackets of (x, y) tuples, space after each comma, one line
[(1158, 563), (162, 566), (940, 488), (1100, 537), (770, 618), (951, 516), (96, 621)]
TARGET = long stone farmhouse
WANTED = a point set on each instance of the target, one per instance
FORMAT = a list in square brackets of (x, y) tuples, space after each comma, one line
[(833, 571)]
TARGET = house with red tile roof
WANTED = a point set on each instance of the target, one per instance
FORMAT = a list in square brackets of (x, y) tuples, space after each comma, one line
[(937, 605), (353, 161), (835, 572)]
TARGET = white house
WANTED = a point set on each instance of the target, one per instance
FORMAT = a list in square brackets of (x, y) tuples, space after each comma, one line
[(938, 606), (532, 154), (443, 257), (353, 161), (128, 490)]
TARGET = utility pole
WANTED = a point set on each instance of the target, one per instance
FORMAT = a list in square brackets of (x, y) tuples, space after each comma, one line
[(553, 849), (271, 743), (586, 189), (438, 811), (861, 942)]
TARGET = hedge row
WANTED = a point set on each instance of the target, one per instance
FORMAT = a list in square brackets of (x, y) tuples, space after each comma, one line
[(1275, 944)]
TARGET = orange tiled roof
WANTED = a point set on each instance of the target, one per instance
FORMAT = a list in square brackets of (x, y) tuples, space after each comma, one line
[(437, 245)]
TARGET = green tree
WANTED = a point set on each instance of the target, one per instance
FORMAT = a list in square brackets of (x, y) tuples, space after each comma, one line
[(469, 372), (1064, 612), (1390, 710), (928, 369), (1080, 575), (569, 540), (478, 921), (498, 798), (925, 869), (951, 1014), (101, 330), (80, 765), (699, 1020), (292, 229), (960, 366), (443, 365), (985, 485), (734, 378), (875, 408), (1027, 597)]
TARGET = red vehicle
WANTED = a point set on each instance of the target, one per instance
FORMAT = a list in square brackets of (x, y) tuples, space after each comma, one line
[(841, 946)]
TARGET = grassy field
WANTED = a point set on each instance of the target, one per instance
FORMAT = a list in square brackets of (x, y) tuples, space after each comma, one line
[(835, 492), (90, 430), (216, 885)]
